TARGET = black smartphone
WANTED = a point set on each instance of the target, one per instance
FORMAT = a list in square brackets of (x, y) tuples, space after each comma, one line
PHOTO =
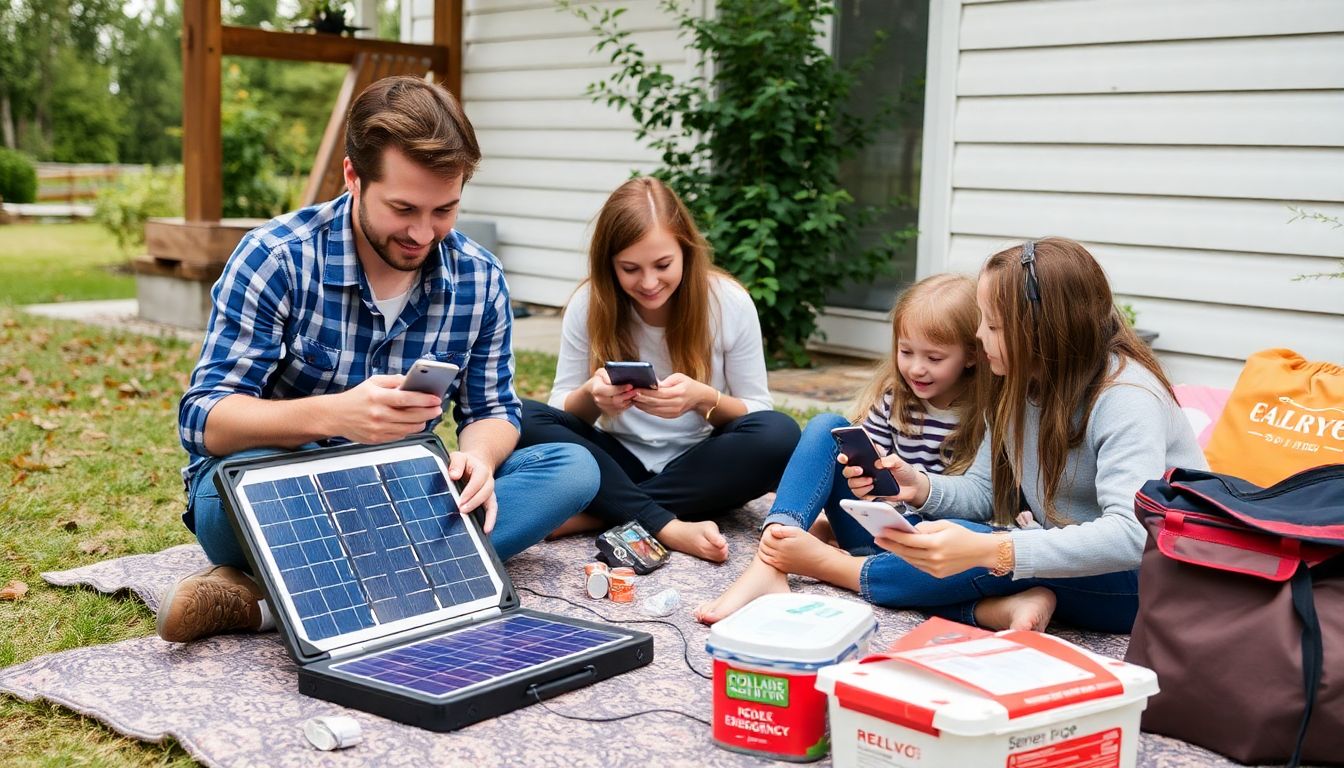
[(860, 452), (640, 374)]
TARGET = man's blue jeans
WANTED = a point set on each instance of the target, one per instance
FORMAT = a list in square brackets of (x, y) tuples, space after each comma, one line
[(537, 489), (813, 482)]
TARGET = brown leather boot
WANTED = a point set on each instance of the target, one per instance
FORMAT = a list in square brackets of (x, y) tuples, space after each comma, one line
[(211, 601)]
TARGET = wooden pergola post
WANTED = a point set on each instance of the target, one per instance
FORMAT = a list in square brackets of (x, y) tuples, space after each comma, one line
[(202, 156)]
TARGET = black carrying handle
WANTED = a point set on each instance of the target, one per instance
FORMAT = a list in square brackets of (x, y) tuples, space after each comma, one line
[(1313, 652)]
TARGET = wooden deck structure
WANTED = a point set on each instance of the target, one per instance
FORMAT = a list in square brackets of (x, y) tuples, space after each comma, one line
[(195, 247)]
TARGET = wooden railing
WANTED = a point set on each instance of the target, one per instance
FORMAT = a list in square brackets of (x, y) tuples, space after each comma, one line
[(72, 183)]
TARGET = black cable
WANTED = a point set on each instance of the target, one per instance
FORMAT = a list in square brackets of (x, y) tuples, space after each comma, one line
[(685, 644), (537, 696)]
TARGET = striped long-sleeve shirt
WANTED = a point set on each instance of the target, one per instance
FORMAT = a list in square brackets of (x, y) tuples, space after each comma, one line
[(921, 449), (294, 316)]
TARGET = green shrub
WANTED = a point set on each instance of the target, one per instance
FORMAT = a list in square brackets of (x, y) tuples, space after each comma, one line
[(754, 148), (18, 177), (124, 207)]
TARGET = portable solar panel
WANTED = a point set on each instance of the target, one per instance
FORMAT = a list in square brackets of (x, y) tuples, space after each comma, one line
[(393, 602)]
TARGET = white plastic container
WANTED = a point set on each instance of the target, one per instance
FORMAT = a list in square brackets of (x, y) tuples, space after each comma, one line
[(1016, 700), (766, 657)]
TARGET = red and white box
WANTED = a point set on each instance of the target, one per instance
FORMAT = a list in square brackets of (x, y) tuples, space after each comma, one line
[(952, 695)]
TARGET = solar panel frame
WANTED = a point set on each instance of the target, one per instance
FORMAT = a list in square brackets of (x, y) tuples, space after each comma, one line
[(323, 665), (285, 473)]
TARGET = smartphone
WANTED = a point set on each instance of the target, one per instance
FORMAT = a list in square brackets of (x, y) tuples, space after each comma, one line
[(876, 515), (430, 376), (639, 374), (860, 452)]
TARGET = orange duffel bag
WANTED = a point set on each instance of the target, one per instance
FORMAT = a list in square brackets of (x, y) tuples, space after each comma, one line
[(1285, 415)]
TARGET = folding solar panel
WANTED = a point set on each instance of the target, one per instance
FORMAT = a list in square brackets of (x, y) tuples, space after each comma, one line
[(393, 602)]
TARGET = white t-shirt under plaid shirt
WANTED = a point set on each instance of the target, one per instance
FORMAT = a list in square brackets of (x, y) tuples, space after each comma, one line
[(921, 449)]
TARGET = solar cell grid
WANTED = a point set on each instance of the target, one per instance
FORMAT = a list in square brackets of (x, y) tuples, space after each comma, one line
[(368, 545), (449, 663)]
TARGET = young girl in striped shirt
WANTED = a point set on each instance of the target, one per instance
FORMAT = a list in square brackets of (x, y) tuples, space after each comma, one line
[(926, 404)]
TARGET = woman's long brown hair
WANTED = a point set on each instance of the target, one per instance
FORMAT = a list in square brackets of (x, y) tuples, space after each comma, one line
[(636, 208), (942, 309), (1058, 354)]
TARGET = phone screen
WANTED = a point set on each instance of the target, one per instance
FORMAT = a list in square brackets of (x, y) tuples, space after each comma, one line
[(638, 374), (860, 452)]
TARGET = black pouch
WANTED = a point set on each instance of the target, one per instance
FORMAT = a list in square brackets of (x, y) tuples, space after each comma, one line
[(631, 546)]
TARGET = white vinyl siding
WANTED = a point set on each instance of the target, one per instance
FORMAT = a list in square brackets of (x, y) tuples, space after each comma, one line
[(550, 155), (1171, 138)]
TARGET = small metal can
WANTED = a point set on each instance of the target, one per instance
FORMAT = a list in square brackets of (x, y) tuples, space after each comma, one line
[(595, 581), (622, 585)]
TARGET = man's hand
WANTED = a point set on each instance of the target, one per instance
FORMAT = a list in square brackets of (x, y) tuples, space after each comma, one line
[(941, 548), (377, 411), (675, 395), (610, 399), (479, 489), (914, 484)]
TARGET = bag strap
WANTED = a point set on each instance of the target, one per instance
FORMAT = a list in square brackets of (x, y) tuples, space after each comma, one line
[(1313, 653)]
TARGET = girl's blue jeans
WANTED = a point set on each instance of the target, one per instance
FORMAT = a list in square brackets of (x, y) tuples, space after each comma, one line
[(813, 482), (537, 489)]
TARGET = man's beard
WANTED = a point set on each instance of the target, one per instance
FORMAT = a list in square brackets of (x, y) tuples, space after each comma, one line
[(380, 245)]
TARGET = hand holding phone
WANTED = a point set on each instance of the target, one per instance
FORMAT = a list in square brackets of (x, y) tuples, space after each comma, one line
[(430, 376), (860, 452), (876, 515), (640, 375)]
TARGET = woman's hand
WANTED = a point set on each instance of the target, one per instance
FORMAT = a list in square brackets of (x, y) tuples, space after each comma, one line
[(941, 548), (610, 399), (914, 484), (675, 395)]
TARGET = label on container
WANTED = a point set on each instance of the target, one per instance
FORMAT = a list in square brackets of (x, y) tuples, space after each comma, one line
[(771, 713), (1095, 750)]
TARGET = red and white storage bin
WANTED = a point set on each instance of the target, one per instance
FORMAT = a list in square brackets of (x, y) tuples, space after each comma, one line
[(1012, 699)]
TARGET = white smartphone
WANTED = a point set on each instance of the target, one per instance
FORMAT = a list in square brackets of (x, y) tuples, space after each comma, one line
[(430, 376), (876, 515)]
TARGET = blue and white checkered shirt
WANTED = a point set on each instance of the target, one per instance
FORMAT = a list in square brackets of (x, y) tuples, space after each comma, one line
[(294, 316)]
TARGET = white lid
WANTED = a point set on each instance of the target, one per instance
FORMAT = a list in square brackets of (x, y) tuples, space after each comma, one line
[(808, 630), (914, 692)]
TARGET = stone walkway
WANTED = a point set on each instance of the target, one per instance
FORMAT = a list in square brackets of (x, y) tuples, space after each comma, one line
[(830, 386)]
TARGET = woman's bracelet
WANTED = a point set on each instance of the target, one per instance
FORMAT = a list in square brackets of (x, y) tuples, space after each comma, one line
[(717, 400), (1004, 559)]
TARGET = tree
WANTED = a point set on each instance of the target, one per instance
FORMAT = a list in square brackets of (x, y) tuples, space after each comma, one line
[(148, 72)]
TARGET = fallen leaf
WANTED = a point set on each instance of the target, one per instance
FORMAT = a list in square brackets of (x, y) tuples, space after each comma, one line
[(44, 424), (19, 477), (93, 548), (14, 590), (25, 377), (24, 463), (11, 322), (69, 525), (92, 434), (133, 388)]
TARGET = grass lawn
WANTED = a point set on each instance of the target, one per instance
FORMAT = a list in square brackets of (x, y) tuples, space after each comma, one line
[(89, 462), (41, 263)]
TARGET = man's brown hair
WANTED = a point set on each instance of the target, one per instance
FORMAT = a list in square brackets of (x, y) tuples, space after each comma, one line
[(421, 119)]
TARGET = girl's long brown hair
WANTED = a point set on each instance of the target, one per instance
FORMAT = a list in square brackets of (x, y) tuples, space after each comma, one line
[(1058, 354), (636, 208), (942, 309)]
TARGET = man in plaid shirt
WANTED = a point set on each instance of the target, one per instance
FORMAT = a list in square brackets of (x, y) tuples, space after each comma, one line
[(318, 315)]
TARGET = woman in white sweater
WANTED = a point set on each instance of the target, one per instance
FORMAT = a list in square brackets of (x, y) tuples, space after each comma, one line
[(705, 440)]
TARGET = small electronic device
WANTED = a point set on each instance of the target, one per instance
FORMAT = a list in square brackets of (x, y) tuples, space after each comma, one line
[(430, 376), (860, 452), (876, 515), (390, 601), (632, 546), (639, 374)]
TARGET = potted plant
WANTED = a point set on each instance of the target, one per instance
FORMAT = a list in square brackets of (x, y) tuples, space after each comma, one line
[(1131, 317), (326, 16)]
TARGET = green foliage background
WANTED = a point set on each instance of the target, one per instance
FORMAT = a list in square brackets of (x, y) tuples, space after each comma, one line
[(18, 178), (754, 147)]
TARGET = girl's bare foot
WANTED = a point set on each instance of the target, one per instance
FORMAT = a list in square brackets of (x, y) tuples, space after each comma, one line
[(759, 579), (1025, 610), (793, 550), (580, 523), (822, 530), (701, 539)]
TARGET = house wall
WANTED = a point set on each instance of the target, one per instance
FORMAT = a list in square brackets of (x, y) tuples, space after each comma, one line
[(1171, 138), (550, 155)]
